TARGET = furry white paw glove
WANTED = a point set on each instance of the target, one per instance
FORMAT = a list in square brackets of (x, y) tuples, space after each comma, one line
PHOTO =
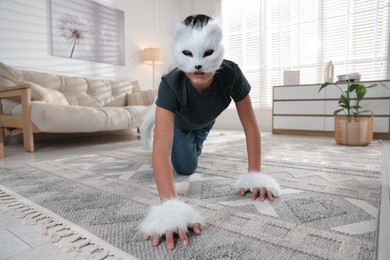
[(259, 180), (171, 215)]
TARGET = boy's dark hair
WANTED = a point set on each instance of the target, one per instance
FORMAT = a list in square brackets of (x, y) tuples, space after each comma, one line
[(197, 21)]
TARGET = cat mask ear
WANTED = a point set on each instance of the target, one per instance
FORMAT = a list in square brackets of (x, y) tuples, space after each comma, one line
[(198, 49)]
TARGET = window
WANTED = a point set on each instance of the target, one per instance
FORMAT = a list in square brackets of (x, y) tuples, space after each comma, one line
[(269, 37)]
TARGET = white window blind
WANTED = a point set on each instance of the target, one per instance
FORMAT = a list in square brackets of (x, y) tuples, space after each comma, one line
[(269, 37)]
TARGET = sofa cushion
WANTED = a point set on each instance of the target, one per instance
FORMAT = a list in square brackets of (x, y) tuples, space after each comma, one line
[(92, 92), (9, 74), (6, 83), (109, 92), (79, 91), (8, 105), (73, 119), (47, 95), (77, 119), (43, 79), (142, 98)]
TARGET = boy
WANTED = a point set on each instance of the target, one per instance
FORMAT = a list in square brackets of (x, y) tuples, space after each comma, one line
[(190, 98)]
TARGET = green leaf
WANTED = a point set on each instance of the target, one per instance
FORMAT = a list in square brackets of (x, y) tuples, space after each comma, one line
[(365, 111), (356, 114), (360, 92), (354, 86), (371, 86), (344, 100), (325, 85)]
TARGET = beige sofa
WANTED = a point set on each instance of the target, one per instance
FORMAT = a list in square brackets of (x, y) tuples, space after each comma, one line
[(70, 104)]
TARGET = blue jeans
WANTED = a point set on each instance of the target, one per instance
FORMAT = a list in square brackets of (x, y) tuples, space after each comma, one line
[(186, 148)]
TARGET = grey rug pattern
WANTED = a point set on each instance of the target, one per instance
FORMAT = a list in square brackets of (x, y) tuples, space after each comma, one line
[(329, 206)]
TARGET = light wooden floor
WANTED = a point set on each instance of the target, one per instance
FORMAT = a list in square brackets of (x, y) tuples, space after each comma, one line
[(21, 242)]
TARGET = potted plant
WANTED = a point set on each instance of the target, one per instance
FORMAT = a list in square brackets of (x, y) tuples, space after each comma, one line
[(352, 128)]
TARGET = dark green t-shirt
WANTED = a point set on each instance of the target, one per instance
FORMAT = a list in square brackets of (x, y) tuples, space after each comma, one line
[(194, 111)]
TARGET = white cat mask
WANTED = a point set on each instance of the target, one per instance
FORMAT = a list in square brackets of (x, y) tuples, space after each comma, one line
[(198, 49)]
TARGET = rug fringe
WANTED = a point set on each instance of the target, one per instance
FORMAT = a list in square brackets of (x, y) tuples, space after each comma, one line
[(66, 238)]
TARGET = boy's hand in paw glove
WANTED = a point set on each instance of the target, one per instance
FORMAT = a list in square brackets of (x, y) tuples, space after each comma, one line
[(172, 216), (258, 182)]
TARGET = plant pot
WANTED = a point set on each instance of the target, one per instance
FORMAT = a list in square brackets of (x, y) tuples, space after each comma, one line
[(353, 131)]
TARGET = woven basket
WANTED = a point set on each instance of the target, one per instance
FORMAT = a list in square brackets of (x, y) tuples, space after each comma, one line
[(353, 131)]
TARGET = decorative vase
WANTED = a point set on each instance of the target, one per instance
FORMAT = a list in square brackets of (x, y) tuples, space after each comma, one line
[(328, 72), (354, 131)]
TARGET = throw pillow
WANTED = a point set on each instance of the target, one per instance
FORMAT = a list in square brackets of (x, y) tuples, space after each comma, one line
[(142, 98)]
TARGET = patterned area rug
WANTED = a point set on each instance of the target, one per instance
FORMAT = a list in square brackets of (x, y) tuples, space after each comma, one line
[(328, 209)]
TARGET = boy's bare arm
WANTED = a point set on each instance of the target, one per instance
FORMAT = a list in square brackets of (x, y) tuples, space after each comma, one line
[(254, 180), (162, 149)]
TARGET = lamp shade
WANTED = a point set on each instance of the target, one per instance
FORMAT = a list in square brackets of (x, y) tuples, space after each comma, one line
[(152, 56)]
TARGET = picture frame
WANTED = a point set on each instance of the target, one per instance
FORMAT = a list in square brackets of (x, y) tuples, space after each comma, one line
[(291, 77), (78, 33)]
